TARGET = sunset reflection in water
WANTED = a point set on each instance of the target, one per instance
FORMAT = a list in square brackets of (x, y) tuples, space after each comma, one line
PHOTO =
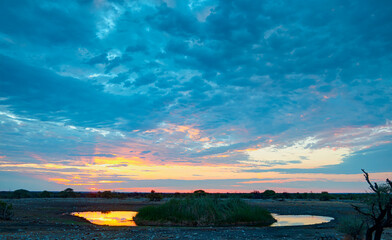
[(112, 218), (125, 218), (298, 220)]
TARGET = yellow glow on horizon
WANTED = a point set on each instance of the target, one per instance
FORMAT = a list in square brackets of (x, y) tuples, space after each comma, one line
[(133, 161), (183, 172), (119, 160), (59, 180), (298, 155)]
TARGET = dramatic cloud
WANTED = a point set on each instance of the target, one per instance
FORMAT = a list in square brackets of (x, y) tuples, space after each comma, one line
[(223, 94)]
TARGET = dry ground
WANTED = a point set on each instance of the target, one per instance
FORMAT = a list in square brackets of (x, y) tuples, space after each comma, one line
[(48, 219)]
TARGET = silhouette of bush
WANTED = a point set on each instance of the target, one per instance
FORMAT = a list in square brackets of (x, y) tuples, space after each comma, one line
[(269, 193), (324, 196), (285, 195), (199, 193), (106, 194), (6, 211), (21, 193), (177, 195), (154, 197), (256, 195), (67, 193), (44, 194), (352, 226)]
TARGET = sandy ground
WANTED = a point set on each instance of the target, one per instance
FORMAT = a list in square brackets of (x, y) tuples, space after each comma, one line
[(48, 219)]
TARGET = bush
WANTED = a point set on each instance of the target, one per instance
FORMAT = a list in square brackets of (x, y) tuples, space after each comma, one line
[(199, 193), (204, 212), (269, 193), (67, 193), (106, 194), (44, 194), (21, 193), (324, 196), (6, 212), (177, 195), (285, 195), (153, 196), (256, 195), (353, 227)]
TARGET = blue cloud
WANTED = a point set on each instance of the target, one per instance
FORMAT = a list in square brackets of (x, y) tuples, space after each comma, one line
[(270, 68), (48, 96)]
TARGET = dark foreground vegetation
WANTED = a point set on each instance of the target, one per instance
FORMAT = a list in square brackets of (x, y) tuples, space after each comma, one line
[(154, 196), (204, 211), (375, 214), (5, 211), (378, 214)]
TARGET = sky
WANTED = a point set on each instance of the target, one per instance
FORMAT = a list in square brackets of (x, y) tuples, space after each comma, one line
[(225, 96)]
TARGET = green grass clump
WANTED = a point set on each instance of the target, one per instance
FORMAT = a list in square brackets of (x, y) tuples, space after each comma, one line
[(6, 212), (204, 211), (353, 226)]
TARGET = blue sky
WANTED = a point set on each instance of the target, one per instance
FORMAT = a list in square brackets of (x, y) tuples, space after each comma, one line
[(182, 95)]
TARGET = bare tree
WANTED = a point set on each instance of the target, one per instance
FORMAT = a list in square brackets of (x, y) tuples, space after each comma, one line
[(378, 212)]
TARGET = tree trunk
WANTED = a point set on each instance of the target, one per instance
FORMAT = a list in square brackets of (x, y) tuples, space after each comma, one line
[(369, 233), (377, 235)]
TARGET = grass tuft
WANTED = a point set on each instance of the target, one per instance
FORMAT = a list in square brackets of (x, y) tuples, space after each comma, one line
[(352, 226), (204, 211)]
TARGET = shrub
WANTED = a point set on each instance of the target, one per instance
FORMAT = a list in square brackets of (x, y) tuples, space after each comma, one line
[(44, 194), (256, 195), (324, 196), (204, 212), (153, 196), (285, 195), (106, 194), (6, 212), (21, 193), (199, 193), (352, 226), (269, 193), (67, 193)]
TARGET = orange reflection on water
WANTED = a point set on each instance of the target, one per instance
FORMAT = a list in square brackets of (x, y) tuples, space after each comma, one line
[(113, 218), (298, 220), (125, 218)]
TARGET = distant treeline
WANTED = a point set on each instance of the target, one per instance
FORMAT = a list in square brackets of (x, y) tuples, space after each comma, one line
[(153, 196)]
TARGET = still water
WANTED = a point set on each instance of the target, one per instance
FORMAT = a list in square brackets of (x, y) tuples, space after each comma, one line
[(125, 218), (298, 220), (112, 218)]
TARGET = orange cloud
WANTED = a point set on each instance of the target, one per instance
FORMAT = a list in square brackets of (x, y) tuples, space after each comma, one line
[(59, 180), (190, 130)]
